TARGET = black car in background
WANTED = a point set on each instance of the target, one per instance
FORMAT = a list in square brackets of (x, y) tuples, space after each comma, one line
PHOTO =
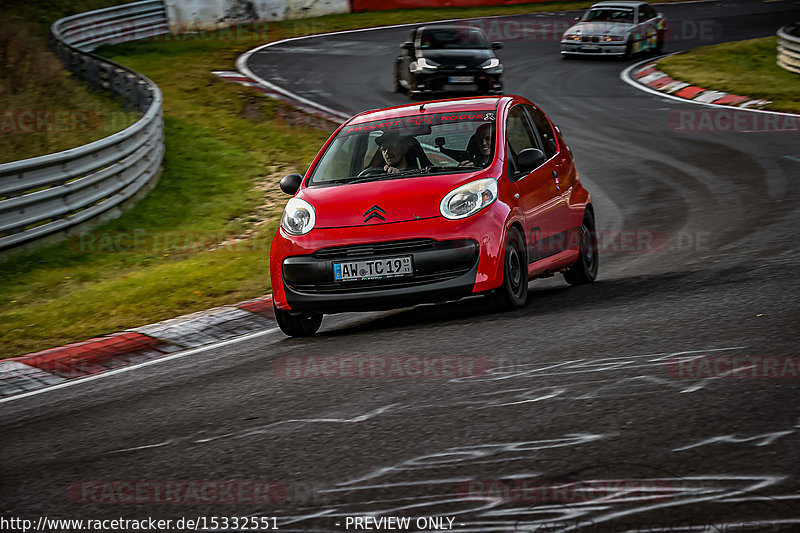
[(448, 59)]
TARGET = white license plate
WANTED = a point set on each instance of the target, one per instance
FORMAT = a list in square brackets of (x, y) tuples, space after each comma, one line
[(390, 267), (451, 87), (461, 79), (590, 47)]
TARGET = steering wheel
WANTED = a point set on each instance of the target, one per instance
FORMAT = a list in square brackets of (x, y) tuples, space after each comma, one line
[(371, 171)]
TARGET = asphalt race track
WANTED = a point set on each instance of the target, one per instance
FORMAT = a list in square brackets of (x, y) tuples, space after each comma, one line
[(582, 404)]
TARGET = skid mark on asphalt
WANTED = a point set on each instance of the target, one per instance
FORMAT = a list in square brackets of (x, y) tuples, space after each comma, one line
[(264, 430), (437, 478), (764, 439), (649, 490), (461, 455), (593, 502)]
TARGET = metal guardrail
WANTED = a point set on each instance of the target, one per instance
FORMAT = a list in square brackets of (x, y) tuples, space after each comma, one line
[(789, 47), (45, 195)]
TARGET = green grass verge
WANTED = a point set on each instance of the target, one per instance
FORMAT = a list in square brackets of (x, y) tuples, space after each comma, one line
[(745, 68), (227, 148), (42, 109)]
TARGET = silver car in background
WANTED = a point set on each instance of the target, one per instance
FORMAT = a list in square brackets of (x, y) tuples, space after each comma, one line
[(622, 28)]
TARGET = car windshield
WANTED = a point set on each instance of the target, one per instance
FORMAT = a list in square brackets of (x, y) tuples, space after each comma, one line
[(453, 38), (417, 145), (609, 14)]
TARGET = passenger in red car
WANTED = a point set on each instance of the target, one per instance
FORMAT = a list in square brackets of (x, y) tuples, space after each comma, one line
[(480, 147)]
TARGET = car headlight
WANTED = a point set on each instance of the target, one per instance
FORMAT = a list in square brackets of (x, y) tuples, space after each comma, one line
[(491, 63), (609, 38), (468, 199), (424, 64), (298, 217), (572, 37)]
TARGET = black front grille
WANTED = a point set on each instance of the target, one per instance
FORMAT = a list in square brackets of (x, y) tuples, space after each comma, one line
[(342, 287), (437, 81), (432, 260), (374, 250)]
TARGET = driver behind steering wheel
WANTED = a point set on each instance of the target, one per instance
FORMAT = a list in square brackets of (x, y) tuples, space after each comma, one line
[(393, 150)]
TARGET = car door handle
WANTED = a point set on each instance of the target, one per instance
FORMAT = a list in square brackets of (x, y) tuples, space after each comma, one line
[(555, 177)]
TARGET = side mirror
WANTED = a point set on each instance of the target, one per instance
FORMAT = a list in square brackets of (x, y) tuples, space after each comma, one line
[(497, 45), (291, 184), (408, 45), (530, 158)]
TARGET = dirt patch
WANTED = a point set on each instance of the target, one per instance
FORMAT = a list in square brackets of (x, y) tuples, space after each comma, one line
[(251, 110), (271, 208)]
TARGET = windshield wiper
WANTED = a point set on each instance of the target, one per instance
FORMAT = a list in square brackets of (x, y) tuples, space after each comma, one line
[(384, 176), (425, 170), (376, 177), (429, 169)]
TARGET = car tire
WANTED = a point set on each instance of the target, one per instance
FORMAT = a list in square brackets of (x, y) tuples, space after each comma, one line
[(585, 268), (298, 324), (628, 51), (397, 87), (659, 49), (513, 293)]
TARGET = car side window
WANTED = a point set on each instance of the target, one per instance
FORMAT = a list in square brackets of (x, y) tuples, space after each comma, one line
[(518, 134), (646, 13), (545, 130)]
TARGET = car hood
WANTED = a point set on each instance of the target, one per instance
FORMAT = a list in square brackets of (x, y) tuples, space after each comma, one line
[(600, 28), (469, 58), (401, 199)]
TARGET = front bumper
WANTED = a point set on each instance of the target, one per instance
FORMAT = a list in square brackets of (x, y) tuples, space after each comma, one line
[(443, 270), (451, 260), (593, 49), (440, 81)]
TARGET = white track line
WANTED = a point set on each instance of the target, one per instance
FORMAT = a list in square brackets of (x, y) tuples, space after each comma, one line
[(241, 61), (176, 355)]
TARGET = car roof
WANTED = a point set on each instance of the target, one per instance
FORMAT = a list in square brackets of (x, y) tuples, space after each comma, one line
[(457, 105), (620, 3), (449, 27)]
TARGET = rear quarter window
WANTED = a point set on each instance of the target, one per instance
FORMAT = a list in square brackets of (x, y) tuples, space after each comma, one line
[(546, 133)]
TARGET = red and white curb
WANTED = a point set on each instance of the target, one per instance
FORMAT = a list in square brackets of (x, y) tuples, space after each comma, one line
[(55, 366), (646, 77), (649, 76)]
